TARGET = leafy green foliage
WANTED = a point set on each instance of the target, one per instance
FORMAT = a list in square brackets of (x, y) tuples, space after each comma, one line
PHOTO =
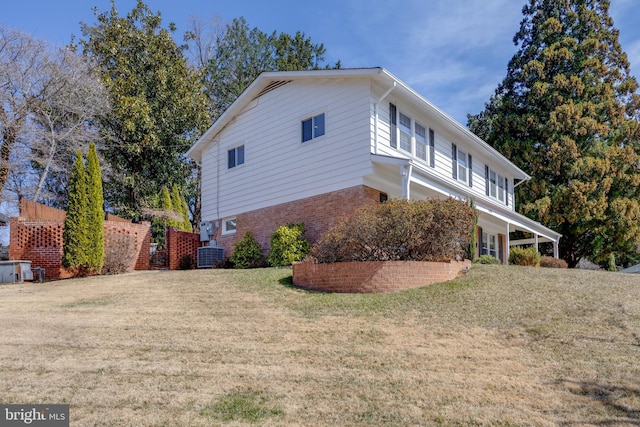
[(95, 212), (426, 230), (243, 53), (486, 259), (288, 245), (247, 253), (158, 107), (75, 234), (567, 113), (525, 257)]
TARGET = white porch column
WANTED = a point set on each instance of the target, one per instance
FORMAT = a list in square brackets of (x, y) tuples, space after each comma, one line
[(507, 245), (406, 181)]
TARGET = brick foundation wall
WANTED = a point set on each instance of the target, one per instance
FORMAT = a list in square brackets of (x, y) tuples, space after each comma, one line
[(180, 244), (318, 213), (375, 276)]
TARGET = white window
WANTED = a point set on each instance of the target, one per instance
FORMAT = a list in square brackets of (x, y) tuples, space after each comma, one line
[(496, 185), (463, 165), (405, 132), (313, 127), (411, 135), (489, 246), (235, 156), (421, 142), (229, 225)]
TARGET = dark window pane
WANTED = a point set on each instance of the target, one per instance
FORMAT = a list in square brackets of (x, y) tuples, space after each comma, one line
[(240, 155), (232, 158), (307, 130), (318, 125)]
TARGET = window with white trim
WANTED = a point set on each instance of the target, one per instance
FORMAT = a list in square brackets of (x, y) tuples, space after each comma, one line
[(462, 168), (235, 156), (229, 225), (489, 245), (496, 186), (313, 127), (421, 142), (411, 135), (405, 132)]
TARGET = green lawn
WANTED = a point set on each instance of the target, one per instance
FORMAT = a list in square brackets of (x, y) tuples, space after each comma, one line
[(501, 346)]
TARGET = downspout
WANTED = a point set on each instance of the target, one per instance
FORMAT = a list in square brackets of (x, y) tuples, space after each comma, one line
[(375, 109), (406, 171)]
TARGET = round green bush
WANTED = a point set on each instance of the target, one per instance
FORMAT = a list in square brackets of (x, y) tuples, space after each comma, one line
[(247, 252)]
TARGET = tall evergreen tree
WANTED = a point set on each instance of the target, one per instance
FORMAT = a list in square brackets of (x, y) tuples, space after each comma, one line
[(75, 234), (180, 207), (95, 212), (567, 113)]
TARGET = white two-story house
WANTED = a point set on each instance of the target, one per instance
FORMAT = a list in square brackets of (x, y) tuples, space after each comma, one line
[(313, 146)]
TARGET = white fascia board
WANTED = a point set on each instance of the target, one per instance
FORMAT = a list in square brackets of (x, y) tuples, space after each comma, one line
[(195, 152)]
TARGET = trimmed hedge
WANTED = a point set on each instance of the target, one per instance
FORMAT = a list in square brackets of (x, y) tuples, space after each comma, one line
[(524, 257), (486, 259), (400, 230), (551, 262)]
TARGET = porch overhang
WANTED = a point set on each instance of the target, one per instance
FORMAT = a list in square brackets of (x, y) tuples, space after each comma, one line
[(411, 172)]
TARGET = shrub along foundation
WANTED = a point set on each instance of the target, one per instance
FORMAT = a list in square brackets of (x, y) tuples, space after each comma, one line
[(375, 276)]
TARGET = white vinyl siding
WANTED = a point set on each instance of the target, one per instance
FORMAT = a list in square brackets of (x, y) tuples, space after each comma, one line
[(287, 169)]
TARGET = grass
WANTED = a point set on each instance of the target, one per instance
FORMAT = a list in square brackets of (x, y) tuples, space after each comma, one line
[(509, 346)]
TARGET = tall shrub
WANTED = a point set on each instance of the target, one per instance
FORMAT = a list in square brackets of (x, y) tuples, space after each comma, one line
[(75, 235), (288, 245), (95, 212)]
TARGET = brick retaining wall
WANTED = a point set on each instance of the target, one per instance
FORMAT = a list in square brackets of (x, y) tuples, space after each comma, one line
[(375, 276)]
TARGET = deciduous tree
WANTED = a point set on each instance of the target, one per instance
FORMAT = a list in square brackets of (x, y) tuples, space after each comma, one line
[(567, 113), (158, 107)]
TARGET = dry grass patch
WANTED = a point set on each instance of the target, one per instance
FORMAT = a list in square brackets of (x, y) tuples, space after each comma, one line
[(502, 346)]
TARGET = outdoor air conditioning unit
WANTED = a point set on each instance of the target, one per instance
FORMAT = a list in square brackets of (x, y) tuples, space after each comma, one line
[(208, 256)]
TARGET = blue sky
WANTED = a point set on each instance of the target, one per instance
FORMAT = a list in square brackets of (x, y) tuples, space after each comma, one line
[(453, 52)]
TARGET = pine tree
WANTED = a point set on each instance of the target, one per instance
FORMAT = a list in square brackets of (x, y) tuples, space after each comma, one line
[(95, 212), (567, 113), (75, 233)]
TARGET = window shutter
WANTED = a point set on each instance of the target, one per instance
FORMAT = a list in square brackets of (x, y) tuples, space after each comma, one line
[(454, 160), (393, 120), (480, 244), (432, 148), (506, 190), (470, 171), (501, 247), (486, 179)]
